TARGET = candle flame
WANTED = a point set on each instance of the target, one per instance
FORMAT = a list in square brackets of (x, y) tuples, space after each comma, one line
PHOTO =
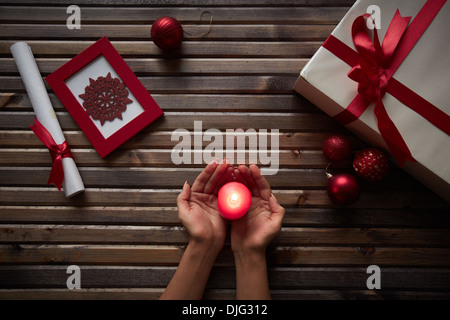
[(234, 198)]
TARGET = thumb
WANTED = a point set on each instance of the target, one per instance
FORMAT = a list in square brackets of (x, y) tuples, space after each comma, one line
[(183, 199), (277, 210)]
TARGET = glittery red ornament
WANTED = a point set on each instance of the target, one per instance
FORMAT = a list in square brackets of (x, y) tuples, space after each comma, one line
[(167, 33), (343, 188), (371, 164), (336, 148)]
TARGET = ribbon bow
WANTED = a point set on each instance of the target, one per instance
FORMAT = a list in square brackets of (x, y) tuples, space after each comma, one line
[(374, 72), (57, 152)]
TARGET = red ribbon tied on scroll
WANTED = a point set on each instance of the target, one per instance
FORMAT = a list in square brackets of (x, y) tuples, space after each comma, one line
[(373, 67), (57, 152)]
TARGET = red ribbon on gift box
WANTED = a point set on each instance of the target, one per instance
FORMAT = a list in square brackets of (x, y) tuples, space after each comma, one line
[(57, 152), (373, 67)]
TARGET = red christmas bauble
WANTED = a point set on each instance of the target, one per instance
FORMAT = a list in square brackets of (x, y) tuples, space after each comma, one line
[(371, 164), (336, 148), (167, 33), (343, 188)]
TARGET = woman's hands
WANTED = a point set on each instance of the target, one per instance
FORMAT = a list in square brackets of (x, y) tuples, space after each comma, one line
[(197, 206), (255, 230), (197, 209), (250, 235)]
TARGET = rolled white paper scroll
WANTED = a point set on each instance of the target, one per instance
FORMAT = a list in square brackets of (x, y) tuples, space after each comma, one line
[(31, 77)]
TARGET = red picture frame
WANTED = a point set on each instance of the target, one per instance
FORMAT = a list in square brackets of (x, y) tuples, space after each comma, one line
[(101, 58)]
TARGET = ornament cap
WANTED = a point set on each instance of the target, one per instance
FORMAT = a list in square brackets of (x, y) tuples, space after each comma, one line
[(329, 175)]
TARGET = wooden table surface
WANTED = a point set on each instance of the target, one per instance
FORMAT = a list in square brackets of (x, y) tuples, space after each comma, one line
[(123, 231)]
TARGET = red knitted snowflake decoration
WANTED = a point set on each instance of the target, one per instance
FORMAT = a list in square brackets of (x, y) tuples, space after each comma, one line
[(105, 99)]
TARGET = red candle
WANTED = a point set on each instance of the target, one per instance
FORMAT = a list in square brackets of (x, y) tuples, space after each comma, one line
[(234, 200)]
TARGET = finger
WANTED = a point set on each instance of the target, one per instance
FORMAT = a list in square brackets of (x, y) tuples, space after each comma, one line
[(237, 177), (261, 182), (216, 177), (250, 182), (277, 210), (226, 177), (204, 176), (275, 207), (183, 200), (239, 174)]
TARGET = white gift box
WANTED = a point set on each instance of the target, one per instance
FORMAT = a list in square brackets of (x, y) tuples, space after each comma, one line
[(425, 70)]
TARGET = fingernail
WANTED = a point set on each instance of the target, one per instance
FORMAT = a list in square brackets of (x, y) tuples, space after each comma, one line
[(274, 198)]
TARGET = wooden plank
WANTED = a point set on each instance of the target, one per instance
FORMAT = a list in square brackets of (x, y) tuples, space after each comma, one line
[(355, 278), (296, 141), (203, 66), (147, 174), (84, 234), (189, 17), (160, 158), (87, 234), (142, 32), (168, 215), (145, 48), (363, 256), (163, 197), (55, 276), (154, 177), (216, 294), (90, 254), (194, 84), (284, 122), (90, 215), (193, 102), (182, 3), (151, 255), (86, 294)]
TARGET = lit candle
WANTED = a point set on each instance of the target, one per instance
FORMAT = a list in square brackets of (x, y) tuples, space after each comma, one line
[(234, 200)]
